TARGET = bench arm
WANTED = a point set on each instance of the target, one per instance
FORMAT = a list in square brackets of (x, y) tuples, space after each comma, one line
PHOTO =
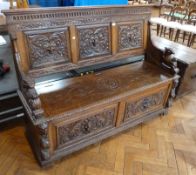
[(164, 58), (168, 61), (33, 108), (29, 96)]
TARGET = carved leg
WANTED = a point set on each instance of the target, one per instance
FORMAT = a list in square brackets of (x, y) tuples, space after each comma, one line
[(44, 141), (169, 58)]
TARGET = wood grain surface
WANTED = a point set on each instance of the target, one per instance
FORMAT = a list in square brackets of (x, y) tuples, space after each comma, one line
[(69, 94)]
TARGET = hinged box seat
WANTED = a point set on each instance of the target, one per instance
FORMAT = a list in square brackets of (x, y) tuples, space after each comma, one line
[(63, 96), (63, 114)]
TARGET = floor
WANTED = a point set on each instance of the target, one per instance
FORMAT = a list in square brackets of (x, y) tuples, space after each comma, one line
[(162, 146)]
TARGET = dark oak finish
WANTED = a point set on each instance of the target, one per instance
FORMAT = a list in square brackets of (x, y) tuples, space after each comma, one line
[(65, 115), (110, 84)]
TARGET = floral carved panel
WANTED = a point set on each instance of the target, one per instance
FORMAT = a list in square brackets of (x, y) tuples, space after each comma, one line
[(130, 36), (85, 127), (144, 104), (94, 41), (48, 47)]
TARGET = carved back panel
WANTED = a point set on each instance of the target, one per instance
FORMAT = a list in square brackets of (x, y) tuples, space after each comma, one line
[(60, 39), (47, 47), (130, 36), (94, 41)]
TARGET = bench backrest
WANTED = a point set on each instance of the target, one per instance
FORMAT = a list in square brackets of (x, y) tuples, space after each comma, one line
[(51, 40)]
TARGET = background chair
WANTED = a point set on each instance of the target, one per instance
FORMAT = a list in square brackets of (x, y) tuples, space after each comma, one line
[(164, 13), (188, 26), (177, 16)]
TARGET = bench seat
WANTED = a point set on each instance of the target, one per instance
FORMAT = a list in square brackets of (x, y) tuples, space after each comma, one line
[(65, 95)]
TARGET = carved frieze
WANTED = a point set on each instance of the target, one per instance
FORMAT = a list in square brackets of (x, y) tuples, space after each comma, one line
[(85, 127), (47, 48), (54, 17), (144, 104), (94, 41), (75, 13), (130, 36)]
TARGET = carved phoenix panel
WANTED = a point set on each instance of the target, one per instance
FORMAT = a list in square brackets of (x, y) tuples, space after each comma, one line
[(94, 41), (130, 36), (84, 127), (144, 104), (47, 48)]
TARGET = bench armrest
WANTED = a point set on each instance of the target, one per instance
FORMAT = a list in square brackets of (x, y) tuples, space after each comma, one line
[(29, 95), (33, 108), (164, 58)]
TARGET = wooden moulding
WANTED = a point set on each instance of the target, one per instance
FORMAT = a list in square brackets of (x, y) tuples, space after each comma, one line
[(145, 33), (114, 37), (21, 48), (121, 109), (74, 44)]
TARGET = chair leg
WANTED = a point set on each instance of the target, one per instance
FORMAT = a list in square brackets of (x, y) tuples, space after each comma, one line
[(164, 30), (192, 40), (161, 32), (158, 29), (184, 36), (169, 33), (177, 35), (172, 34), (189, 39)]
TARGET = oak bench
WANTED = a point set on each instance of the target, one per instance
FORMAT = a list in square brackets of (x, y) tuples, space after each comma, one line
[(67, 110)]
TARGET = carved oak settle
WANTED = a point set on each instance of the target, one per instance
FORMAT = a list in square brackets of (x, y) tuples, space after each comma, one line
[(67, 114)]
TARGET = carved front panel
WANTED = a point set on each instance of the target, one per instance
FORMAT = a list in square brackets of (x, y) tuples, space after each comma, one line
[(130, 36), (94, 41), (85, 127), (47, 47), (143, 105)]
